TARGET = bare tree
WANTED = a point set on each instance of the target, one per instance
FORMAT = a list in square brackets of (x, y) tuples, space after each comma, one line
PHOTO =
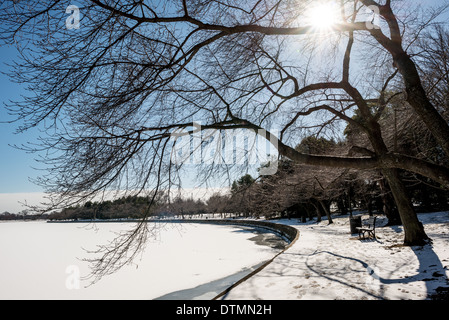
[(111, 93)]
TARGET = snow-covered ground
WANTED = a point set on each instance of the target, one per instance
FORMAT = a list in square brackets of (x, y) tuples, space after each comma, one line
[(327, 262), (41, 260)]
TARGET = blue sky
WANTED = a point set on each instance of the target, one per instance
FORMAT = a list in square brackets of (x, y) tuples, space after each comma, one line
[(16, 165)]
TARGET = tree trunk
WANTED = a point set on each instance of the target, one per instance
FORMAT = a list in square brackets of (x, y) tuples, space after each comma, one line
[(389, 207), (341, 205), (413, 229), (348, 199), (417, 98), (328, 215), (416, 95), (317, 210)]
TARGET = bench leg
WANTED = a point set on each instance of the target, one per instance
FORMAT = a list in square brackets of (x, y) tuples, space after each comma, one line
[(371, 234), (361, 233)]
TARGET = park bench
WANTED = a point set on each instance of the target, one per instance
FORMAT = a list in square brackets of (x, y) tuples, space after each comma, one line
[(369, 227)]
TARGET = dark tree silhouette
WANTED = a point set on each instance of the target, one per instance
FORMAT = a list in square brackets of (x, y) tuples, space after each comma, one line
[(111, 92)]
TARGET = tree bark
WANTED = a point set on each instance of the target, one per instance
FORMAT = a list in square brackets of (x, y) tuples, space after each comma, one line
[(416, 95), (413, 228), (329, 218), (389, 208), (317, 210), (417, 98)]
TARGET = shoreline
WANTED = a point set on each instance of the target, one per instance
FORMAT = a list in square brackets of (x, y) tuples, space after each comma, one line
[(287, 233)]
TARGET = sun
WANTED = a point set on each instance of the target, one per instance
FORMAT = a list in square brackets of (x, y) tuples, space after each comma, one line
[(322, 16)]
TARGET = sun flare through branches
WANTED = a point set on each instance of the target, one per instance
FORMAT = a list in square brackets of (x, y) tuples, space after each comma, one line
[(322, 15)]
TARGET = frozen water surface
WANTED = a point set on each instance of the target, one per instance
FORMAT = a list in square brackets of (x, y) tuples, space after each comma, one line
[(40, 260)]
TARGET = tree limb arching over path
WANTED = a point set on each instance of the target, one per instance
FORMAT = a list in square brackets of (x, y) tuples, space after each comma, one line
[(110, 95)]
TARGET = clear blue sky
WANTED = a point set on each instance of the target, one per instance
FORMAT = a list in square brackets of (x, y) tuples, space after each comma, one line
[(16, 166)]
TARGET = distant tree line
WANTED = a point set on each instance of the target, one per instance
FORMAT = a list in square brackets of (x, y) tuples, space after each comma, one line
[(136, 207), (133, 207), (122, 208), (22, 215)]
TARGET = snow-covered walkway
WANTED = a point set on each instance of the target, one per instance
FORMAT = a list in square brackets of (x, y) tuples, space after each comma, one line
[(327, 262)]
